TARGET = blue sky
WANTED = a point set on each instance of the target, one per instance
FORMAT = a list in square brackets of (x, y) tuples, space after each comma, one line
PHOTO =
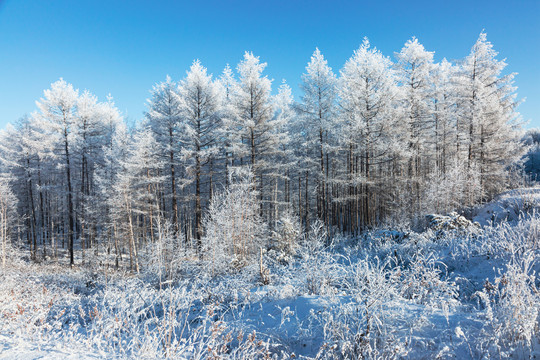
[(124, 47)]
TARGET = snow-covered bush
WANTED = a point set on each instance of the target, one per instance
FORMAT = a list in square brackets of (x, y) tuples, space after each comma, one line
[(505, 240), (234, 229), (286, 235), (424, 282), (512, 310), (451, 223), (361, 327), (163, 258), (318, 265)]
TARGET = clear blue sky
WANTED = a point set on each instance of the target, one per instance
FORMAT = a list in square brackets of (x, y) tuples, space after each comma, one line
[(124, 47)]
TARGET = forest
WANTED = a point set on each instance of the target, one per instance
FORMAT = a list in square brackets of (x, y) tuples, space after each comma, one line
[(393, 183), (383, 143)]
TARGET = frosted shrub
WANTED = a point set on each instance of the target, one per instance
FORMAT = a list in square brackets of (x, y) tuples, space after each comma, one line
[(318, 264), (234, 229), (164, 257), (512, 309), (362, 328), (423, 282), (506, 240), (452, 221), (287, 234)]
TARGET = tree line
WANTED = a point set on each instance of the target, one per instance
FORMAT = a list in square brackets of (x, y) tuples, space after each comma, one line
[(381, 141)]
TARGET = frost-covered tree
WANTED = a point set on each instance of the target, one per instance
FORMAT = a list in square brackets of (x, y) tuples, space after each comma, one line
[(8, 205), (488, 128), (115, 185), (415, 74), (58, 109), (164, 114), (144, 165), (20, 150), (90, 130), (107, 119), (370, 134), (281, 155), (228, 85), (444, 117), (199, 127), (254, 111), (317, 117)]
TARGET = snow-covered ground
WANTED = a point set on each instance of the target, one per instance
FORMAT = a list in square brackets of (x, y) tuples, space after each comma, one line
[(509, 206), (454, 293)]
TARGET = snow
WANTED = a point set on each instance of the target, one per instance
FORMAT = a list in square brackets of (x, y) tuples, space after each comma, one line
[(443, 293), (31, 351), (508, 206)]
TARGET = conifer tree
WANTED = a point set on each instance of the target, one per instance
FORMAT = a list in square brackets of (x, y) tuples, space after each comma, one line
[(199, 126)]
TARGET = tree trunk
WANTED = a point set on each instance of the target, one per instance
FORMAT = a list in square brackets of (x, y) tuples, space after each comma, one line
[(70, 200)]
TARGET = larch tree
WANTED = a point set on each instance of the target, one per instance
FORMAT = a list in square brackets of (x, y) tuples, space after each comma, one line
[(489, 120), (370, 134), (317, 117), (20, 156), (89, 129), (444, 109), (280, 154), (102, 177), (199, 126), (116, 183), (164, 114), (414, 70), (445, 186), (58, 108), (8, 205), (144, 165), (254, 118), (230, 138)]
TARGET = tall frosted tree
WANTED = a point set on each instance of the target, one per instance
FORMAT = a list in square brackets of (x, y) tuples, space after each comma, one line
[(228, 86), (102, 177), (318, 116), (114, 187), (136, 181), (164, 114), (415, 74), (58, 108), (8, 205), (90, 133), (488, 140), (280, 154), (20, 154), (254, 118), (444, 116), (370, 133), (199, 126), (18, 158)]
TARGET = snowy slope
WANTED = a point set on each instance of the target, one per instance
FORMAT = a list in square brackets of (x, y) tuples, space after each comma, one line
[(509, 206)]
